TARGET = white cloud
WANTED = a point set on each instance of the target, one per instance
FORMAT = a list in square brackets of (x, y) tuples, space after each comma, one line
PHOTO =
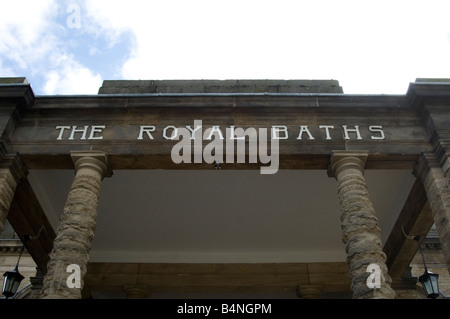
[(24, 28), (372, 47), (70, 77), (32, 44)]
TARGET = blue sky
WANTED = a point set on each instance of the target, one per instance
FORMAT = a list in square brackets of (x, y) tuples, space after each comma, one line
[(370, 47)]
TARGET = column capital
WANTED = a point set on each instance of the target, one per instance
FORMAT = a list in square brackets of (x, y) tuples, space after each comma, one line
[(97, 160), (347, 159)]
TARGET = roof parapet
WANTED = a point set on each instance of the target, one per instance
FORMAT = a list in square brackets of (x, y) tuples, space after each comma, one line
[(219, 86)]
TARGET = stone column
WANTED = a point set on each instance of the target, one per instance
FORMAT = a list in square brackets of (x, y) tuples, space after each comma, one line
[(12, 170), (436, 181), (361, 233), (76, 229)]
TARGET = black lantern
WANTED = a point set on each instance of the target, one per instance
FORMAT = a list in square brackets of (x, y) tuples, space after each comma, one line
[(430, 284), (429, 281), (13, 278), (11, 282)]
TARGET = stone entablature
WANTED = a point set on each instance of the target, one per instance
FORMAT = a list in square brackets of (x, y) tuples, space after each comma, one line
[(309, 126)]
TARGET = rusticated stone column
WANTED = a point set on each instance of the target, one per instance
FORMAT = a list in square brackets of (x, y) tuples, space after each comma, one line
[(436, 181), (361, 233), (76, 229), (12, 170)]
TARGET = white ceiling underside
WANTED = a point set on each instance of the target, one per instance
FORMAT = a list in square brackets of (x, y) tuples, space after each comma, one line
[(220, 216)]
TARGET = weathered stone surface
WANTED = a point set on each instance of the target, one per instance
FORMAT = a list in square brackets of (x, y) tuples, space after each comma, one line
[(12, 170), (14, 80), (77, 225), (436, 181), (219, 86), (361, 233), (7, 187)]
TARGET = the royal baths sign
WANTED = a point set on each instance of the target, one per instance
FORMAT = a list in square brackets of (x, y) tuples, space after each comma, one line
[(198, 143), (172, 132)]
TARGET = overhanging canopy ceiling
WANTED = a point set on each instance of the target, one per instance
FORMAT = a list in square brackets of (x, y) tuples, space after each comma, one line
[(221, 215)]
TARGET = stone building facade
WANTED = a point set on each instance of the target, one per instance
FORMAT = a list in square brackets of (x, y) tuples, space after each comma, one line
[(141, 191)]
